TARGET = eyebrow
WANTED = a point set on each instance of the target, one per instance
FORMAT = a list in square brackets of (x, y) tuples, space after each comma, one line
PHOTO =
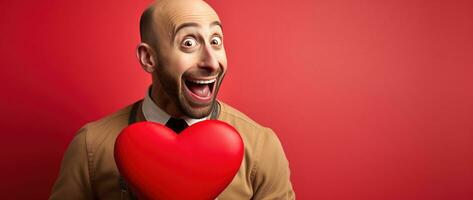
[(193, 24), (181, 26), (217, 23)]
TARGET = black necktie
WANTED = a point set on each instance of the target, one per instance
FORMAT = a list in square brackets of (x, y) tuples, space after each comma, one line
[(176, 124)]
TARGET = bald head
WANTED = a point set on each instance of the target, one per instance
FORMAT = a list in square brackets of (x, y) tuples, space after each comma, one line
[(168, 14)]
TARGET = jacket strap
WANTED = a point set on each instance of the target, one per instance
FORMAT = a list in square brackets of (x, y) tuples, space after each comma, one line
[(123, 185)]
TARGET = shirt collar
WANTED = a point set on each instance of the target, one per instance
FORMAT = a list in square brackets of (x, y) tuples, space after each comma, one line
[(154, 113)]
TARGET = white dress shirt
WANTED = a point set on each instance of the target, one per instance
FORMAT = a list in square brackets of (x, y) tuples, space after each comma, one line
[(154, 113)]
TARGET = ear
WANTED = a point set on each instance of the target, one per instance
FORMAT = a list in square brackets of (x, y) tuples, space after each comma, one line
[(147, 57)]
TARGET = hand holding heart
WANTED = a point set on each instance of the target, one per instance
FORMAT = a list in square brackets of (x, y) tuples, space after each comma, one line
[(197, 164)]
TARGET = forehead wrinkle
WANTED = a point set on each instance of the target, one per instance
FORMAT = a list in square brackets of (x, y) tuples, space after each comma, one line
[(197, 17), (177, 21), (172, 13)]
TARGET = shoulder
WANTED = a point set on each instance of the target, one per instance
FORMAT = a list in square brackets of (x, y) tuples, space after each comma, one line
[(118, 117), (254, 134), (236, 118), (107, 128)]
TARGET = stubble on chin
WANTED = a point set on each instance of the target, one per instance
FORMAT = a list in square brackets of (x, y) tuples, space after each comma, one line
[(175, 94), (200, 112), (195, 113)]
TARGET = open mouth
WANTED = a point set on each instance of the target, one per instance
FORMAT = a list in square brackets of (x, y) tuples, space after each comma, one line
[(200, 90)]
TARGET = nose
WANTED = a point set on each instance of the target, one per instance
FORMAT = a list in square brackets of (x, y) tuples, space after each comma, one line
[(208, 60)]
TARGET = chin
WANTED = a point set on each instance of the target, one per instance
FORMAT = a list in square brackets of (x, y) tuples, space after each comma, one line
[(192, 103), (196, 112)]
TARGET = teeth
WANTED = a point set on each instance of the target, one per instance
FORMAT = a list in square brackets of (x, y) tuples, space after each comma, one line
[(202, 81)]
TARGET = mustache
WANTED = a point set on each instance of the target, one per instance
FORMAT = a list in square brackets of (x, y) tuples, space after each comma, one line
[(202, 72)]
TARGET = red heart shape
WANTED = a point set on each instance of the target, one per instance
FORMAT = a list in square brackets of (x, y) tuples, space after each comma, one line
[(197, 164)]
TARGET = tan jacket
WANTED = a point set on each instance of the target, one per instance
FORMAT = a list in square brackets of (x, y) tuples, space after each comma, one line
[(88, 169)]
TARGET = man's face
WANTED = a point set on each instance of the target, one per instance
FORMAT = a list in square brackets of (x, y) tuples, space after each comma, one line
[(191, 57)]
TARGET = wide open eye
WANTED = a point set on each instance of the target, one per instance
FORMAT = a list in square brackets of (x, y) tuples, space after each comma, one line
[(216, 41), (189, 43)]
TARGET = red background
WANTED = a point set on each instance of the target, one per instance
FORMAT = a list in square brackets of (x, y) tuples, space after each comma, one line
[(371, 99)]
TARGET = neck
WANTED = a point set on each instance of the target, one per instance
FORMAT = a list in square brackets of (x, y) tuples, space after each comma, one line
[(164, 101)]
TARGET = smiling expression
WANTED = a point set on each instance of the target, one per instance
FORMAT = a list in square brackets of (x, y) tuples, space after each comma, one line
[(190, 57)]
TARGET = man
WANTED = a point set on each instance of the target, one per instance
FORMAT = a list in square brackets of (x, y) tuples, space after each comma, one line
[(182, 48)]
